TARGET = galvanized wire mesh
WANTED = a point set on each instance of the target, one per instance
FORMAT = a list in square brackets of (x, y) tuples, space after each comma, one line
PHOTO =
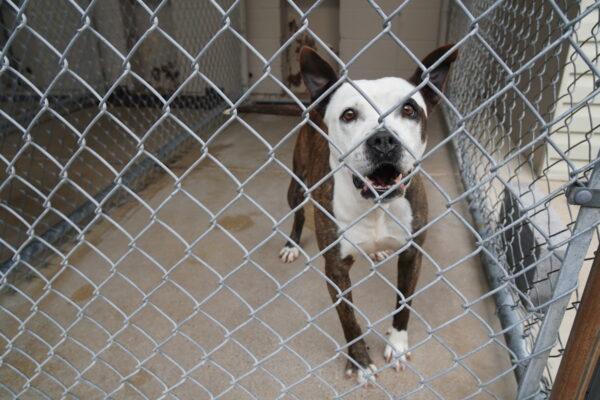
[(133, 292), (510, 149)]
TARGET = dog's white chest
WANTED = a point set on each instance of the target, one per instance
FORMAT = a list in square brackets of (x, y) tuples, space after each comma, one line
[(386, 228)]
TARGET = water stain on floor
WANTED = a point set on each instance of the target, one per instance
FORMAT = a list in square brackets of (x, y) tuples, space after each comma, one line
[(140, 378), (83, 293), (236, 223)]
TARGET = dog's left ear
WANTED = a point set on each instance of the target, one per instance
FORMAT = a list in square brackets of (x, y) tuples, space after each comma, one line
[(317, 74), (437, 77)]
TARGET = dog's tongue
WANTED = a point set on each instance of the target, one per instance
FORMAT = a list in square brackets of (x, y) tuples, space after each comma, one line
[(379, 183)]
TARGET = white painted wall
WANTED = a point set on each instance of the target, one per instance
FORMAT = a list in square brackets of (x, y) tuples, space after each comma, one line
[(577, 136), (418, 26), (264, 33)]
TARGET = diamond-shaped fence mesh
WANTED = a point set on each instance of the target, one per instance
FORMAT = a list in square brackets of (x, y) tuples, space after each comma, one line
[(146, 149)]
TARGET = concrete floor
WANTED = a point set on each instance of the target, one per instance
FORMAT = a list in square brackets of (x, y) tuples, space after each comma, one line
[(141, 302)]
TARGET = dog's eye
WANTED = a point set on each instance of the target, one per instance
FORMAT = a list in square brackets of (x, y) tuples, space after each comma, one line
[(349, 115), (408, 110)]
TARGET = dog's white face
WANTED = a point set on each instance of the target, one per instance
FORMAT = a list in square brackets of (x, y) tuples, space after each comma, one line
[(351, 120), (378, 154)]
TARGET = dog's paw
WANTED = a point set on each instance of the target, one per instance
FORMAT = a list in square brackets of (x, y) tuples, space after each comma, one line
[(396, 349), (289, 254), (360, 364), (364, 375), (379, 256)]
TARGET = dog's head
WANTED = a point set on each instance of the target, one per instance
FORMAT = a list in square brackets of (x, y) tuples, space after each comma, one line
[(379, 133)]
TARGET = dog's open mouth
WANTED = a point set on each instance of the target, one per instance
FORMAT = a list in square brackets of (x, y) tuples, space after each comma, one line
[(381, 179)]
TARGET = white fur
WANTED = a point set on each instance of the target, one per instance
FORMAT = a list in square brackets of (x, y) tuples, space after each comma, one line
[(375, 232), (379, 255), (364, 376), (396, 348), (289, 254), (386, 94)]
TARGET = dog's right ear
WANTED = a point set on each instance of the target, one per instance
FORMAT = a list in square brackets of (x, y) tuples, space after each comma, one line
[(437, 77), (317, 74)]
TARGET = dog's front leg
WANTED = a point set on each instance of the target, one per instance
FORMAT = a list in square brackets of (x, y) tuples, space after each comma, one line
[(338, 271), (409, 265)]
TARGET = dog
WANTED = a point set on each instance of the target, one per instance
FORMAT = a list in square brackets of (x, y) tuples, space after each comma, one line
[(362, 173)]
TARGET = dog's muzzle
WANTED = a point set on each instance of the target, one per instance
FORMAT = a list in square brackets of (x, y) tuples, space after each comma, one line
[(385, 178)]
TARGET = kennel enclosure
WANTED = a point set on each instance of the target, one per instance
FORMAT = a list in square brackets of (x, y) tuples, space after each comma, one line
[(126, 196)]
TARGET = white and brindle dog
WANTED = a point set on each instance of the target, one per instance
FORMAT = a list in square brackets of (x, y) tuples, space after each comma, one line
[(378, 158)]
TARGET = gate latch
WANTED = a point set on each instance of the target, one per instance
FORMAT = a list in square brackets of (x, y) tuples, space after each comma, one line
[(581, 195)]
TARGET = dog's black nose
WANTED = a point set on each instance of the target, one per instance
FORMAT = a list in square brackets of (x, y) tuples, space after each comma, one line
[(383, 142)]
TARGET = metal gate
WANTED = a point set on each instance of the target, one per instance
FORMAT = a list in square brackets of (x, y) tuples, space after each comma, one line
[(113, 118)]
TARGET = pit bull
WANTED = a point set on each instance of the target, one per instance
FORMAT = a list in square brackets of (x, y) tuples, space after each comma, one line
[(364, 159)]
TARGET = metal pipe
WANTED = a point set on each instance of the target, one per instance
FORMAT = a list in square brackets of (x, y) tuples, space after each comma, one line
[(506, 307), (243, 49)]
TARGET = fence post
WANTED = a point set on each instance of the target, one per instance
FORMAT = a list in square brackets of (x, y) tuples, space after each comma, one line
[(583, 348), (566, 282)]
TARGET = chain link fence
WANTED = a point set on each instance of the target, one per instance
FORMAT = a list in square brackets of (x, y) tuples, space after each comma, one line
[(141, 212), (98, 111)]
